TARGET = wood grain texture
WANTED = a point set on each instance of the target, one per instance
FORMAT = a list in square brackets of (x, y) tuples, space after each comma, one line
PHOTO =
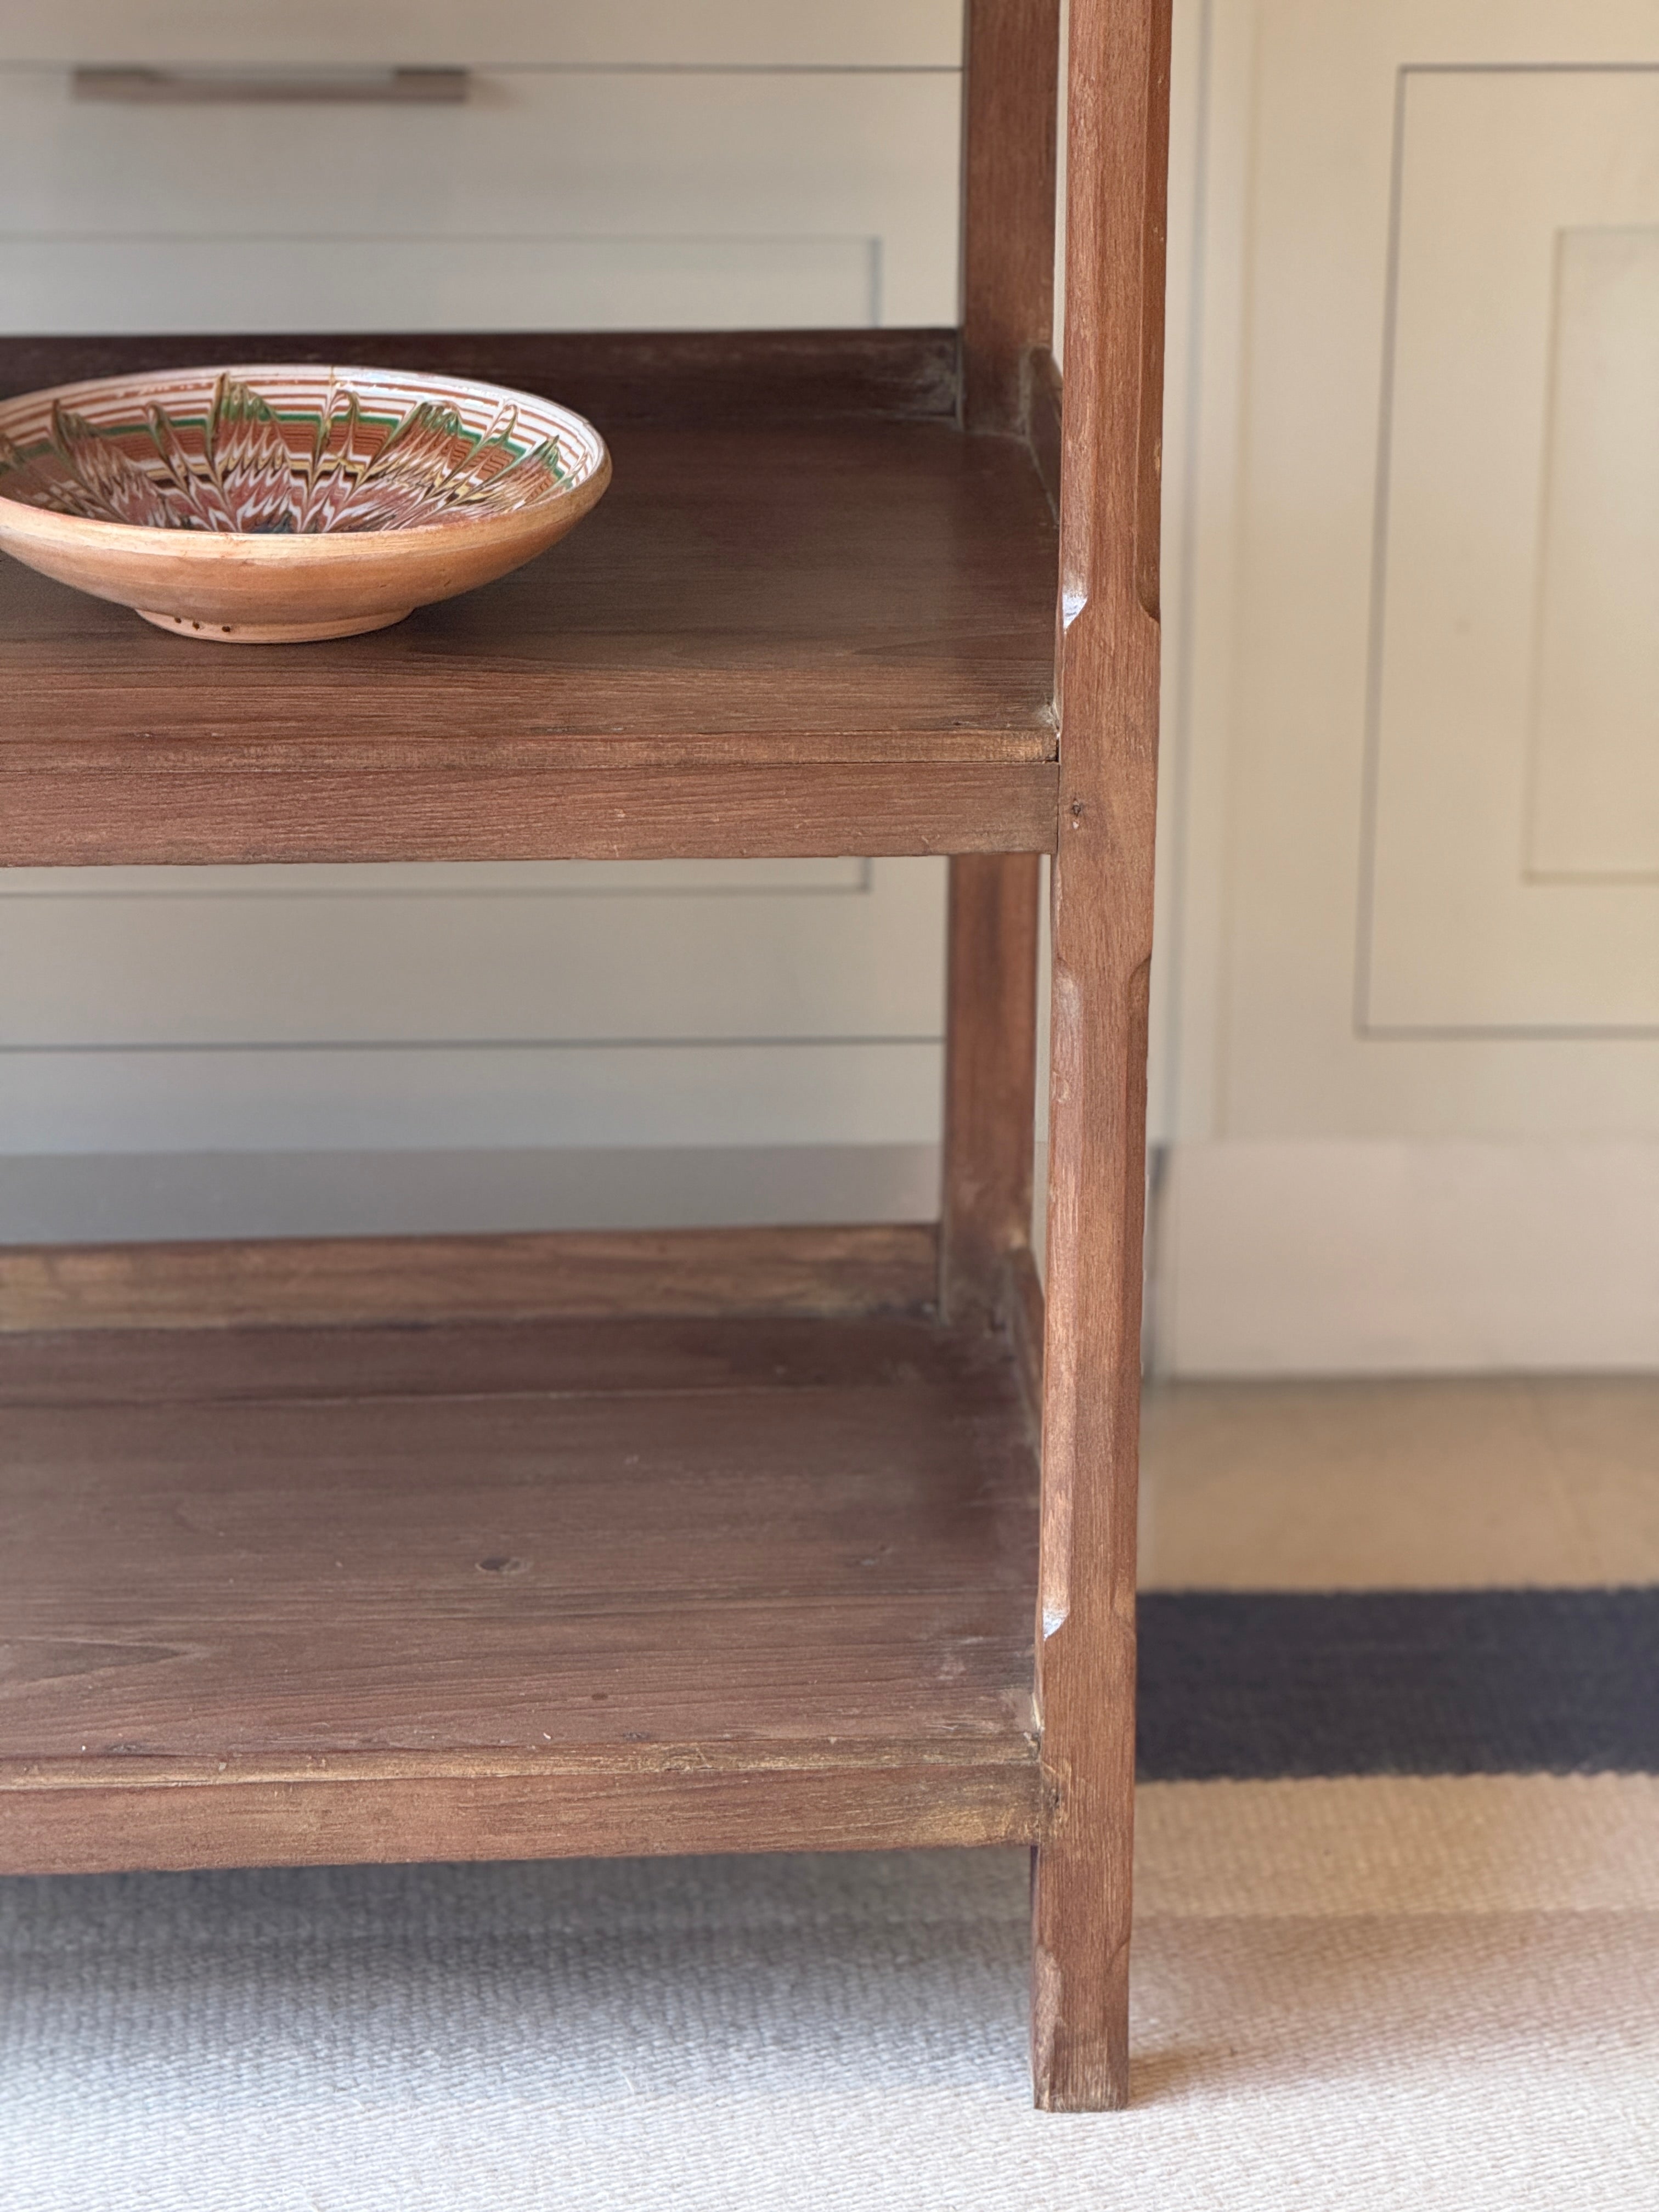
[(1102, 921), (1009, 89), (916, 1799), (990, 1077), (1010, 130), (747, 378), (60, 813), (1011, 59), (570, 1357), (699, 1594), (840, 635), (315, 1281)]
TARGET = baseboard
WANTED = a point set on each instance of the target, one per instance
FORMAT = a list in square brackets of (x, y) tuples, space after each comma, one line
[(1378, 1258), (141, 1197)]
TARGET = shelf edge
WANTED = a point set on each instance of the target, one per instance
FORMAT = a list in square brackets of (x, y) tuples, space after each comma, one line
[(61, 812), (898, 1799)]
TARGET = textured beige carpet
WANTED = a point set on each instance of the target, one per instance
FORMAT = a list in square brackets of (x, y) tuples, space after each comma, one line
[(1368, 1994)]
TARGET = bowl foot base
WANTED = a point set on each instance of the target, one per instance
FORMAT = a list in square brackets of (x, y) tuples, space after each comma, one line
[(300, 633)]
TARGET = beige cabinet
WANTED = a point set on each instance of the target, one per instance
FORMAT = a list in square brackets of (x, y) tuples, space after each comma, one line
[(1411, 985)]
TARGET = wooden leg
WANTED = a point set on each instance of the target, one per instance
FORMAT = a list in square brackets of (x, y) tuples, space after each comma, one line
[(1118, 134), (1081, 1890), (990, 1085)]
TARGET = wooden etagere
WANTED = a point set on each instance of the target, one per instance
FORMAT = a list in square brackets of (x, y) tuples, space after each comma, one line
[(463, 1548)]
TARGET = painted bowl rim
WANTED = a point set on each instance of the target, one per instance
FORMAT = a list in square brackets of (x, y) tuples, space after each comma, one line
[(264, 546)]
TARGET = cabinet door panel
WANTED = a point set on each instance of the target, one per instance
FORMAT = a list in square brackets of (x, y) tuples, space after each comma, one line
[(1411, 722), (1514, 836)]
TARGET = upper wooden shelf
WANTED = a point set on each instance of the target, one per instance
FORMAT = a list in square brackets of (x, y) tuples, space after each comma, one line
[(815, 612)]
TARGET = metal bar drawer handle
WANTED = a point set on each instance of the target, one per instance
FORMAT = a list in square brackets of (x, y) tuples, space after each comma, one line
[(386, 87)]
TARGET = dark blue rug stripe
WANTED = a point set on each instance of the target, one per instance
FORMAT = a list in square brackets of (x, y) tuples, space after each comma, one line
[(1251, 1685)]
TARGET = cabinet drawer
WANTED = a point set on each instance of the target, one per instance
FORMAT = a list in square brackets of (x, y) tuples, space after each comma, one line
[(549, 199), (747, 34)]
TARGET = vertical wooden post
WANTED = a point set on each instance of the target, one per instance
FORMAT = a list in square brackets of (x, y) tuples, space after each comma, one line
[(1009, 131), (1117, 158), (990, 1093)]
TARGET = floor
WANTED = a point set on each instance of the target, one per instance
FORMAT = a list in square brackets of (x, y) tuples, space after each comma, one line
[(1505, 1482), (1370, 1990)]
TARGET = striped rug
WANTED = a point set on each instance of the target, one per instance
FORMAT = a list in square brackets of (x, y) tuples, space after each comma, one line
[(1398, 1940)]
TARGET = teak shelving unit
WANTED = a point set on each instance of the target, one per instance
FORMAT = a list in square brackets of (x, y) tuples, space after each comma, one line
[(478, 1548)]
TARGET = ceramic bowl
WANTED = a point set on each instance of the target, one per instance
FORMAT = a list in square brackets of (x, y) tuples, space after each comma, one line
[(270, 504)]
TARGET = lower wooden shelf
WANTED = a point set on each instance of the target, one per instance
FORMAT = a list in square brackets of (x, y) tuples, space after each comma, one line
[(513, 1588)]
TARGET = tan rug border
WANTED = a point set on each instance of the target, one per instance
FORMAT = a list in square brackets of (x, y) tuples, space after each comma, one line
[(1399, 1844)]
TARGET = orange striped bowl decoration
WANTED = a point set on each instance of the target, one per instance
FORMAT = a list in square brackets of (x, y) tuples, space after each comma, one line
[(275, 504)]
